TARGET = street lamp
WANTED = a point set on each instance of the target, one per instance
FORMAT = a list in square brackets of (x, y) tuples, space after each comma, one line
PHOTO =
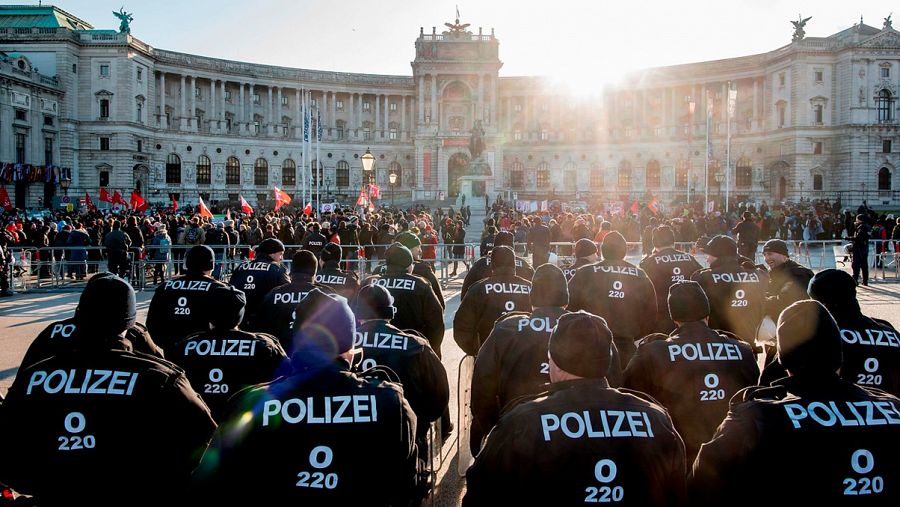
[(392, 178), (801, 183), (690, 133), (368, 164), (65, 185)]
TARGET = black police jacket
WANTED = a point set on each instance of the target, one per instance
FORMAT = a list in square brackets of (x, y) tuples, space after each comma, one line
[(736, 293), (421, 373), (666, 268), (180, 307), (787, 285), (581, 442), (424, 270), (621, 293), (256, 278), (221, 363), (64, 336), (693, 374), (314, 242), (344, 283), (326, 436), (99, 423), (417, 306), (484, 303), (570, 271), (487, 244), (825, 440), (276, 314), (539, 238), (481, 269)]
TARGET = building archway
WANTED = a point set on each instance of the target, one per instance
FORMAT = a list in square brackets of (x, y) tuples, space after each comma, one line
[(457, 166), (141, 178), (778, 180), (456, 107)]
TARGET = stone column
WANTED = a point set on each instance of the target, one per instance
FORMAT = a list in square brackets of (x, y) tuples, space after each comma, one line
[(421, 103), (674, 108), (268, 109), (435, 118), (387, 112), (222, 103), (192, 114), (755, 121), (242, 119), (182, 113), (298, 115), (213, 123), (162, 101), (402, 116), (376, 127), (495, 101), (723, 116), (509, 112), (480, 114), (360, 119), (333, 123)]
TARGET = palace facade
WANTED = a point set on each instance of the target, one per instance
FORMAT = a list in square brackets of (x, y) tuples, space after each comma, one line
[(814, 118)]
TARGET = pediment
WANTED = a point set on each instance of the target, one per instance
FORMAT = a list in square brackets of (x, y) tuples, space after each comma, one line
[(886, 39), (104, 92), (104, 167)]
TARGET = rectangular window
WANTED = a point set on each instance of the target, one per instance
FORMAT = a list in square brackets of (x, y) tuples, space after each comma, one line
[(314, 102), (256, 98), (197, 93), (366, 106), (818, 113), (886, 146), (20, 148), (392, 135), (284, 101), (339, 105), (104, 144), (392, 106), (233, 197), (74, 68), (48, 150), (140, 74), (367, 134), (517, 179), (104, 71), (885, 72), (140, 112), (256, 127), (340, 131), (227, 95), (517, 135), (21, 115), (48, 121), (545, 136), (819, 75), (104, 108), (517, 107), (543, 178), (629, 131), (781, 79), (596, 178), (140, 145), (284, 130), (228, 124), (545, 107), (817, 148), (104, 179)]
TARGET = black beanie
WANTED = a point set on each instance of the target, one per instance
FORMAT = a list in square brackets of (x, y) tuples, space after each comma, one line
[(721, 246), (549, 287), (330, 252), (581, 344), (199, 258), (776, 246), (324, 329), (808, 339), (408, 239), (304, 262), (503, 257), (613, 247), (107, 306), (688, 302), (663, 236), (835, 289), (399, 256), (228, 304), (269, 246), (374, 302), (504, 238), (585, 248)]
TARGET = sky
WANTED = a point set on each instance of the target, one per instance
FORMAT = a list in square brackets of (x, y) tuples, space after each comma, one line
[(582, 43)]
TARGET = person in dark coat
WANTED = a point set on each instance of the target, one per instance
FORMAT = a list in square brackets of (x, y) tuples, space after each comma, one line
[(860, 248), (747, 234)]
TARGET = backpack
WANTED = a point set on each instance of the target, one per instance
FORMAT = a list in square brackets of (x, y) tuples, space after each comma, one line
[(192, 236)]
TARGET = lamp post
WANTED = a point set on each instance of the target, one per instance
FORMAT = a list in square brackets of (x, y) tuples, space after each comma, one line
[(368, 164), (64, 184), (690, 133), (392, 178), (720, 177), (801, 183)]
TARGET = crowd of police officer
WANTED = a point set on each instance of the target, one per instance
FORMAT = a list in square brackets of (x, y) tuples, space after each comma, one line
[(607, 383)]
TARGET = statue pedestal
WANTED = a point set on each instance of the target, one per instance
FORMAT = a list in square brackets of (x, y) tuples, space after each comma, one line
[(475, 188)]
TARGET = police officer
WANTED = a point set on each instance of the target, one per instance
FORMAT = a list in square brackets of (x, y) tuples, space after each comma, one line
[(314, 240), (585, 253), (490, 299), (736, 289), (419, 369), (481, 269), (330, 274), (589, 441), (665, 267), (326, 435), (617, 291), (224, 360), (180, 306), (423, 269), (97, 420), (694, 371), (787, 279), (487, 240), (277, 310), (63, 336), (417, 306), (827, 440), (539, 242), (257, 277)]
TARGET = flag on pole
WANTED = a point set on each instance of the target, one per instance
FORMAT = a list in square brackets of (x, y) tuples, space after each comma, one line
[(374, 191), (654, 206), (245, 206), (281, 198), (710, 206), (104, 195), (710, 104), (4, 199), (371, 206), (89, 203), (174, 203), (635, 208), (362, 200), (204, 211), (228, 214), (118, 199), (307, 210), (732, 102), (136, 201)]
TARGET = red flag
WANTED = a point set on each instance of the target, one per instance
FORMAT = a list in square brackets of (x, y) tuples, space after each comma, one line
[(137, 202), (307, 210), (117, 199), (654, 206), (228, 214), (635, 208), (4, 199), (371, 206), (204, 211), (245, 206), (104, 195), (281, 198), (89, 202), (174, 203), (374, 191), (362, 200)]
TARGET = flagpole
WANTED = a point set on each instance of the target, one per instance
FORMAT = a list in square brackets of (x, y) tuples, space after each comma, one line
[(728, 148), (318, 164), (706, 169)]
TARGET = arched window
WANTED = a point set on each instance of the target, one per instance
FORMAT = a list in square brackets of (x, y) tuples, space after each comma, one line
[(681, 173), (339, 127), (652, 175), (312, 173), (173, 169), (596, 176), (625, 174), (204, 170), (570, 176), (261, 172), (714, 167), (885, 106), (817, 182), (288, 173), (397, 169), (543, 175), (342, 174), (743, 173), (884, 179), (517, 175), (232, 171)]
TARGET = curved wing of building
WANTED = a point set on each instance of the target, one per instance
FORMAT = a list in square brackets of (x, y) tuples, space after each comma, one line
[(815, 118)]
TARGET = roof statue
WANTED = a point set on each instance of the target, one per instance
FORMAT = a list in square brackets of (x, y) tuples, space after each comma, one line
[(887, 22), (457, 28), (799, 32), (126, 18)]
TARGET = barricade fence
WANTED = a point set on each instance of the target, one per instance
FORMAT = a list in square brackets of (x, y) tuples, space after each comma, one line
[(55, 268)]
